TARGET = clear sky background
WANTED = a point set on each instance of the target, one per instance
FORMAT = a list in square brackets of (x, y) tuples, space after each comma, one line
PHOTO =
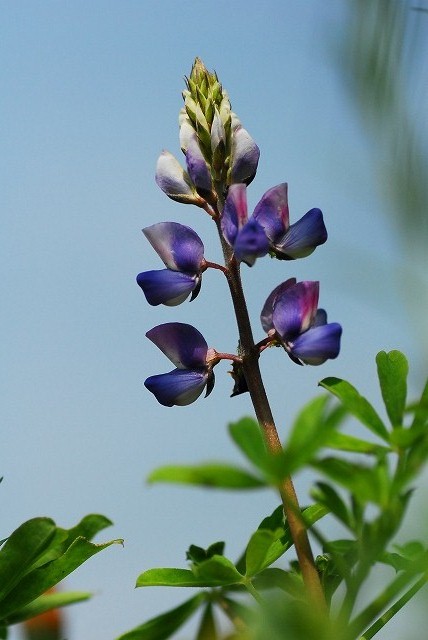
[(90, 96)]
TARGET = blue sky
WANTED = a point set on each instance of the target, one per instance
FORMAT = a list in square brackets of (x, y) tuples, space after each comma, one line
[(91, 94)]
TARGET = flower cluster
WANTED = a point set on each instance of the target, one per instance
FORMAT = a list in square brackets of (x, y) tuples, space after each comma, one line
[(221, 161)]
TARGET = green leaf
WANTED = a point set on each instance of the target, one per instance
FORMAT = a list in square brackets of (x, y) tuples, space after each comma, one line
[(307, 430), (23, 547), (279, 546), (392, 369), (356, 404), (345, 442), (421, 413), (87, 528), (39, 580), (369, 484), (258, 550), (166, 624), (328, 496), (47, 602), (247, 435), (168, 577), (215, 572), (207, 629), (287, 581), (213, 475)]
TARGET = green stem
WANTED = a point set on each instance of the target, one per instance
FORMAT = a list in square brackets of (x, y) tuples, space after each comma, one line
[(386, 617), (249, 353), (251, 589)]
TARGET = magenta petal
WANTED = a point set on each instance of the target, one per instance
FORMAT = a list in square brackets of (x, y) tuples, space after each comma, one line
[(267, 311), (235, 212), (302, 237), (272, 212), (180, 248), (184, 345), (166, 286), (295, 309), (318, 344), (250, 243), (179, 387)]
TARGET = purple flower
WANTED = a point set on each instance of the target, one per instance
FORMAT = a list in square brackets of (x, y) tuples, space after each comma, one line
[(288, 242), (245, 154), (247, 237), (182, 252), (291, 315), (188, 350)]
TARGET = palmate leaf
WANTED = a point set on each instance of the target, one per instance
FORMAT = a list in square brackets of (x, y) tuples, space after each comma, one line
[(356, 404), (166, 624), (216, 475), (392, 369), (39, 580)]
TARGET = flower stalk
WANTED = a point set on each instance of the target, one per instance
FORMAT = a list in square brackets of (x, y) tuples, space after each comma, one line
[(249, 354)]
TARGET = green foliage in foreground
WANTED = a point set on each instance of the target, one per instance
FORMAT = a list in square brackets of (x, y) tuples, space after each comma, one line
[(365, 483), (35, 558)]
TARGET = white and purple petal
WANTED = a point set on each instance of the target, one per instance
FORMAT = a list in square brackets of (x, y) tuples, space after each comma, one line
[(302, 237), (179, 387), (267, 311), (235, 213), (179, 247), (295, 309), (166, 286), (184, 345), (173, 180), (318, 344), (197, 167), (272, 212), (250, 243), (245, 156)]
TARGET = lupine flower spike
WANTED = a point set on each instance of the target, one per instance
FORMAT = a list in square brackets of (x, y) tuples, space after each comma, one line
[(291, 317)]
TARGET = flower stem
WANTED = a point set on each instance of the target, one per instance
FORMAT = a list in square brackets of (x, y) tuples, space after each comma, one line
[(250, 353)]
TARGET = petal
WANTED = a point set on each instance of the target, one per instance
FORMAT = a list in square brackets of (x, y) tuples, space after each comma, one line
[(187, 132), (166, 287), (235, 213), (179, 387), (184, 345), (245, 156), (173, 180), (267, 311), (250, 243), (197, 167), (179, 247), (218, 134), (272, 211), (302, 237), (318, 344), (294, 310)]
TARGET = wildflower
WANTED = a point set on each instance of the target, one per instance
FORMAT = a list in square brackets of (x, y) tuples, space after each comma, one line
[(288, 242), (247, 237), (188, 350), (291, 317), (182, 252)]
